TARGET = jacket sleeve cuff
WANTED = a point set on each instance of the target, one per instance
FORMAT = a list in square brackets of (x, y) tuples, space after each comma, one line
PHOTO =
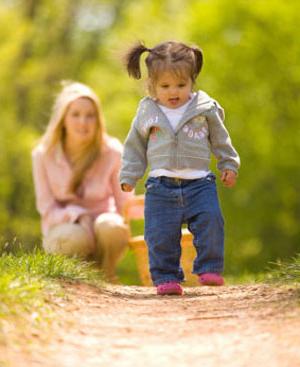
[(129, 181), (229, 167)]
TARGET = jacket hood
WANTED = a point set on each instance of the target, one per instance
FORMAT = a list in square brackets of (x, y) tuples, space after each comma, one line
[(201, 102)]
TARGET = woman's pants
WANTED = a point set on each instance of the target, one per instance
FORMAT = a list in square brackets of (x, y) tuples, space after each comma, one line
[(72, 239)]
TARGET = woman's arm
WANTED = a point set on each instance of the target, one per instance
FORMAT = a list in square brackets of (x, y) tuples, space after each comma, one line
[(48, 207)]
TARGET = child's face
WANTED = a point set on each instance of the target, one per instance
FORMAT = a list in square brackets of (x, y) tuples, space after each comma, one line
[(172, 91), (81, 121)]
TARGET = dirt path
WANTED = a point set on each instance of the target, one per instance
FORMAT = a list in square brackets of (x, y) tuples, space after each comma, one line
[(232, 326)]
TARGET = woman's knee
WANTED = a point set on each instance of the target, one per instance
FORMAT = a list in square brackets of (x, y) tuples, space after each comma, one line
[(68, 239), (111, 230)]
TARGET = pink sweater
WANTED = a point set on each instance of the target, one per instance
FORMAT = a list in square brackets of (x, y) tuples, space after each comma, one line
[(99, 192)]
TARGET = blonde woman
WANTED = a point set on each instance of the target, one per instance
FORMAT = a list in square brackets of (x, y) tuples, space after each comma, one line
[(76, 177)]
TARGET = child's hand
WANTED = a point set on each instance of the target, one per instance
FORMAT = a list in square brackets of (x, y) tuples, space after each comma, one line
[(228, 178), (127, 188)]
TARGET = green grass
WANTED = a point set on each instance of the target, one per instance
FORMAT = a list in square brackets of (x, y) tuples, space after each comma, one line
[(27, 279), (285, 271)]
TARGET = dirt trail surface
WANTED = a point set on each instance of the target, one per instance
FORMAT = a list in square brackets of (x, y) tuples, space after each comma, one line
[(231, 326)]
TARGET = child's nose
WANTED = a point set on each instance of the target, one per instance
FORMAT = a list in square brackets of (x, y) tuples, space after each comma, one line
[(174, 90)]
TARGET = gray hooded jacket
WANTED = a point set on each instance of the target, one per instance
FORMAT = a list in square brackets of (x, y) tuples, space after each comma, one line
[(151, 140)]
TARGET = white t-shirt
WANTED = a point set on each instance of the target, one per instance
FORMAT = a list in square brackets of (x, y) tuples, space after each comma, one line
[(174, 116)]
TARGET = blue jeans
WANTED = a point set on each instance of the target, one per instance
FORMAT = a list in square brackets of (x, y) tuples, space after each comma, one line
[(168, 204)]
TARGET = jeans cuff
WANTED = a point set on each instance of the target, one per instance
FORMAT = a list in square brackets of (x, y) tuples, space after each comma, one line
[(216, 269), (166, 280)]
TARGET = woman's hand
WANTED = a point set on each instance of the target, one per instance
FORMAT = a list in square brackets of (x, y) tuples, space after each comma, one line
[(228, 178), (125, 187)]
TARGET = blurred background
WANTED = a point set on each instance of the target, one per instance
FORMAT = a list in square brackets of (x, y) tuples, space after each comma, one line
[(251, 66)]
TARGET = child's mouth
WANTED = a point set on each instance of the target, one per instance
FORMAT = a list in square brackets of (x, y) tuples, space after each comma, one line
[(173, 101)]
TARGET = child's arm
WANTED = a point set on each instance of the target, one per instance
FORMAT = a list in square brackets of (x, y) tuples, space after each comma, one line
[(134, 159), (222, 148)]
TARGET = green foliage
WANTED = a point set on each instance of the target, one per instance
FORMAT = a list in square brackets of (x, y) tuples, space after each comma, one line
[(251, 54), (19, 294), (39, 264), (286, 271), (24, 278)]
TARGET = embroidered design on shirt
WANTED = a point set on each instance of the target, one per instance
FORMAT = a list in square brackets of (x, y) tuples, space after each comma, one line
[(154, 132), (147, 124), (194, 132)]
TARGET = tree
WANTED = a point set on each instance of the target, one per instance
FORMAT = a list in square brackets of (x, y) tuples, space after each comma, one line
[(251, 54)]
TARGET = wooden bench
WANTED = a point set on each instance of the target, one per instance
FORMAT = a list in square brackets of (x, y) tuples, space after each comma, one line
[(134, 210)]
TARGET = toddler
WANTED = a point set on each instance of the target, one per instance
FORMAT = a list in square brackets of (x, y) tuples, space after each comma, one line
[(174, 131)]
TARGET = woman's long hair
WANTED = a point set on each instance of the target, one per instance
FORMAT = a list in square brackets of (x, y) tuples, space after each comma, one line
[(55, 132)]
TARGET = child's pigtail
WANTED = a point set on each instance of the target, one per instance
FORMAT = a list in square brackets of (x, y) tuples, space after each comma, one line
[(198, 60), (132, 60)]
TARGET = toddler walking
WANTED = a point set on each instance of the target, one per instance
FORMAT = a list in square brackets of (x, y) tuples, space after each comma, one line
[(174, 131)]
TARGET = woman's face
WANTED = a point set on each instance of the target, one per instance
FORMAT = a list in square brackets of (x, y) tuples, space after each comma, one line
[(80, 121)]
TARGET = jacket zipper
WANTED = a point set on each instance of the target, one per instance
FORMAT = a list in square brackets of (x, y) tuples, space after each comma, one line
[(176, 150)]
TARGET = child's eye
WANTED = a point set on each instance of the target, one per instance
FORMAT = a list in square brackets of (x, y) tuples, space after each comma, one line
[(164, 86), (181, 85)]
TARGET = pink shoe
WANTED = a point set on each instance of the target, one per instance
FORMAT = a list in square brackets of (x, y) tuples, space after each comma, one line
[(169, 288), (211, 279)]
